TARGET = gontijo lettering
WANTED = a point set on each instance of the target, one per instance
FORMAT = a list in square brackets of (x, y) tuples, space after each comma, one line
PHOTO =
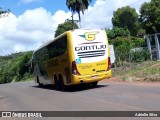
[(91, 47)]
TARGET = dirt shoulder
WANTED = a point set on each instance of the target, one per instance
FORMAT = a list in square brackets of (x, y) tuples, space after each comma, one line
[(116, 80), (143, 74)]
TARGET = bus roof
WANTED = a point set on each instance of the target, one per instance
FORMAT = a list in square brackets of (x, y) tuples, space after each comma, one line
[(47, 43)]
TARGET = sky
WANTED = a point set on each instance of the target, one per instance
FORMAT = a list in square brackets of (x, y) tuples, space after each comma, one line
[(32, 23)]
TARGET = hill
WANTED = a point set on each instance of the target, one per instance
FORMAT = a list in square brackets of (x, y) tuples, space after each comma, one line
[(15, 67)]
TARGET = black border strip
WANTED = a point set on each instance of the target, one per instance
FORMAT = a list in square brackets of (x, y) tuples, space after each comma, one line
[(81, 113)]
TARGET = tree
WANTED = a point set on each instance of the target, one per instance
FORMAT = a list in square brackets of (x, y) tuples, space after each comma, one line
[(2, 12), (126, 17), (78, 5), (65, 27), (150, 16), (15, 67), (117, 32)]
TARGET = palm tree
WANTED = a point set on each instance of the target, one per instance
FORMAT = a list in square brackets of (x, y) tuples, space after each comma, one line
[(77, 6)]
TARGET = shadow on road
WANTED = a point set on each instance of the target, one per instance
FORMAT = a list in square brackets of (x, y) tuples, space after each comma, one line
[(74, 88)]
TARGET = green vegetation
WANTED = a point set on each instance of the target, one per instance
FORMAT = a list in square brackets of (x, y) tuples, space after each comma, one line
[(127, 36), (126, 17), (117, 32), (15, 67), (65, 27), (142, 71), (150, 16), (77, 6), (126, 47)]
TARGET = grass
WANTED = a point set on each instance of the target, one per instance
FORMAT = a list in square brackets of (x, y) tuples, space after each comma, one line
[(143, 71), (27, 77)]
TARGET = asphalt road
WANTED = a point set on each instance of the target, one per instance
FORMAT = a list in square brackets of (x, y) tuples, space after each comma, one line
[(27, 96)]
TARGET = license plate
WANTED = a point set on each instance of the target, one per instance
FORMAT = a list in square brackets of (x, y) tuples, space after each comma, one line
[(95, 76)]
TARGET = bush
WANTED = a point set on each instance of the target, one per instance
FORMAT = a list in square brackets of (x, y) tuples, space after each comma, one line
[(117, 32), (138, 42), (128, 49), (122, 46), (16, 68), (140, 55)]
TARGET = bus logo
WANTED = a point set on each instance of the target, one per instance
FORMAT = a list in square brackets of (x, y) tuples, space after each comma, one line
[(89, 36)]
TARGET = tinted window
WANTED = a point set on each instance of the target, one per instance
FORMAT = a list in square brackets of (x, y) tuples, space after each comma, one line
[(57, 47), (42, 54)]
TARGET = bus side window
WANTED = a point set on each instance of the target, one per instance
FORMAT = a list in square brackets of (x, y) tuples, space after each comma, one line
[(58, 47)]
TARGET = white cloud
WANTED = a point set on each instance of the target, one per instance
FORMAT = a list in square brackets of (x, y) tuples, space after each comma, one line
[(29, 1), (60, 17), (29, 30), (19, 47), (34, 27), (100, 14), (37, 19)]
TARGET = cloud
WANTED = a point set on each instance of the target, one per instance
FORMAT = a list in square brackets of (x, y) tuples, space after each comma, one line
[(29, 30), (29, 1), (100, 14), (35, 27)]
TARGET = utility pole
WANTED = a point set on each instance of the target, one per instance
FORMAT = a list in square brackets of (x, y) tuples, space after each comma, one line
[(72, 20)]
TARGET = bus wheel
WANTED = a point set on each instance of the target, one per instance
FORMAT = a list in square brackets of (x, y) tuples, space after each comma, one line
[(57, 84), (94, 84), (40, 84), (62, 86)]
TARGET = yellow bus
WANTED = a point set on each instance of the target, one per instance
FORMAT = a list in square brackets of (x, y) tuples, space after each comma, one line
[(75, 57)]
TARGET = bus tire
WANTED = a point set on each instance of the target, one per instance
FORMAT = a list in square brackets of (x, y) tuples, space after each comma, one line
[(94, 84), (56, 83), (62, 86), (40, 84)]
